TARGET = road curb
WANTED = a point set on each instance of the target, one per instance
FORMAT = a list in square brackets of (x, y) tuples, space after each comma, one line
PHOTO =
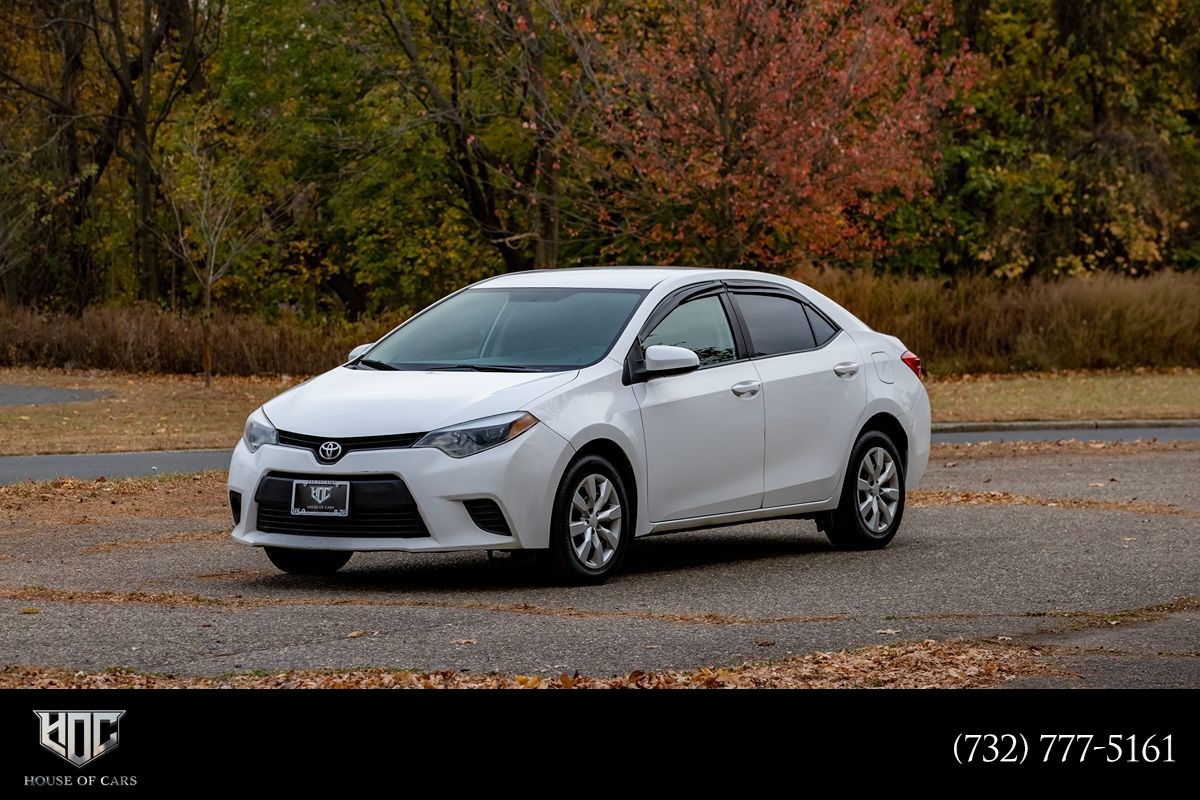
[(1062, 424)]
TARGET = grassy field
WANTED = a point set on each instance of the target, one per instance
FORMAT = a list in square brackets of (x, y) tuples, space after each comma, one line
[(163, 412), (141, 412), (1136, 394)]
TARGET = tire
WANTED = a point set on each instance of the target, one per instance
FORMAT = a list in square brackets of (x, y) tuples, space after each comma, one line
[(580, 553), (868, 516), (308, 562)]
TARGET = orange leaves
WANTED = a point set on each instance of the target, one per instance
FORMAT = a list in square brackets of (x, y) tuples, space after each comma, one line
[(763, 129), (913, 665)]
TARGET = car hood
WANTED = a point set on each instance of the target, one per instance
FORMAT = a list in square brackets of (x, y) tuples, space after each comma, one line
[(360, 402)]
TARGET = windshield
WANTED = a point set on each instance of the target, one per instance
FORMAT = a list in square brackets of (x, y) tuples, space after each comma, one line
[(541, 330)]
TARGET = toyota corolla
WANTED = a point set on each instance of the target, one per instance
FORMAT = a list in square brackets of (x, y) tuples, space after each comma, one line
[(570, 412)]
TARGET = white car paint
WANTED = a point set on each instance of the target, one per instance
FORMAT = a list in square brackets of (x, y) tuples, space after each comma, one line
[(698, 453)]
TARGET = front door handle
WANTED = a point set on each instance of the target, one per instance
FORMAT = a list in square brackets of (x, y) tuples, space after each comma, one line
[(746, 388), (845, 369)]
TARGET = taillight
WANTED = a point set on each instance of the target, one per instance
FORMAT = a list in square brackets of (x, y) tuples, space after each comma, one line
[(914, 363)]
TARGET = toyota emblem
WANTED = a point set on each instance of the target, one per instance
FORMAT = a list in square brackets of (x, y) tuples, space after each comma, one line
[(329, 451)]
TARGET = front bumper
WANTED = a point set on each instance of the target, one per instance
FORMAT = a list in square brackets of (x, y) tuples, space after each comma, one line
[(521, 476)]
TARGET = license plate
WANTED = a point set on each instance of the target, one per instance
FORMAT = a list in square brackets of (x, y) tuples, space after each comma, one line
[(313, 498)]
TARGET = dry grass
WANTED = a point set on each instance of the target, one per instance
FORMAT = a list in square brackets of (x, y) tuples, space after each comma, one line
[(913, 665), (1073, 395), (1072, 447), (147, 339), (923, 498), (72, 501), (979, 324), (142, 412), (166, 412), (969, 324)]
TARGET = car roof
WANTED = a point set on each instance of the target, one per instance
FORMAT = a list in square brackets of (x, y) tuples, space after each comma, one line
[(613, 277)]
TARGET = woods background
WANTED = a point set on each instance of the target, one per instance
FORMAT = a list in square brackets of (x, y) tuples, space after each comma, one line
[(1006, 184)]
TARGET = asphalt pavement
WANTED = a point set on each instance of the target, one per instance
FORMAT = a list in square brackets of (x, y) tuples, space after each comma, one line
[(176, 595), (14, 469), (16, 395)]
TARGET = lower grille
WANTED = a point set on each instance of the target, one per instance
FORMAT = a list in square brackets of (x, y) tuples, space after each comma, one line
[(235, 505), (487, 516), (380, 507)]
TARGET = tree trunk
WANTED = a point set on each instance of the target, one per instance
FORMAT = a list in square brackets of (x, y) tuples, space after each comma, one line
[(146, 250), (206, 332)]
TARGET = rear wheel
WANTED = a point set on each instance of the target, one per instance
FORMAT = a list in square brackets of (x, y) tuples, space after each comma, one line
[(872, 502), (308, 562), (589, 531)]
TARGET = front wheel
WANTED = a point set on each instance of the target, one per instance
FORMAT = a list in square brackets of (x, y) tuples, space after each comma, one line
[(590, 529), (872, 502), (308, 562)]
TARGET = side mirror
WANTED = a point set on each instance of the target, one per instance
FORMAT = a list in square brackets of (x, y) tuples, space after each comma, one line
[(358, 351), (665, 359)]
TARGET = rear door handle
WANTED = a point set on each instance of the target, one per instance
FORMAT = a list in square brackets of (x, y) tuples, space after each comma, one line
[(746, 388), (845, 369)]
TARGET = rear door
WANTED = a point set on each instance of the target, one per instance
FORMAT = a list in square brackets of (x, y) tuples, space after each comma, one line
[(813, 389), (704, 429)]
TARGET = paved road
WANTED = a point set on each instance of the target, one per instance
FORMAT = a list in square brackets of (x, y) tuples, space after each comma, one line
[(111, 465), (15, 395), (126, 465), (1172, 434), (705, 598)]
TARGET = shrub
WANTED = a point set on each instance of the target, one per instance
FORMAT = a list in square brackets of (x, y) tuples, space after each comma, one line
[(974, 324)]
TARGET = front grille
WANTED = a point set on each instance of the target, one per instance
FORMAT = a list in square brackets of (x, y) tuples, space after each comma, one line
[(487, 516), (380, 507), (347, 443)]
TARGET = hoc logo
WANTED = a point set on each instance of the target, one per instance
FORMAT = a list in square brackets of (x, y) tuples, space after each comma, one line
[(329, 451), (321, 493), (79, 736)]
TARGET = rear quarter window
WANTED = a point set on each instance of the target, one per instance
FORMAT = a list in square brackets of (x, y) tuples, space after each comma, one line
[(823, 329)]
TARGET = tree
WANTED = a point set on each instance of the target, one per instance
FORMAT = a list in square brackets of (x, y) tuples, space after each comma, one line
[(185, 33), (764, 132), (218, 221), (502, 84), (1083, 151)]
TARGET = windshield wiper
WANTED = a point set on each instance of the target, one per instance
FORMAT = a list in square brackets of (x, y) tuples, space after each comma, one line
[(373, 364), (478, 368)]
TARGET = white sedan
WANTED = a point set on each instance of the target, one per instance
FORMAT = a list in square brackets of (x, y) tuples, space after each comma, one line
[(572, 411)]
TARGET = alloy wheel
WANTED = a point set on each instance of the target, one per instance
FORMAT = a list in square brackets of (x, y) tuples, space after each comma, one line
[(594, 522), (878, 493)]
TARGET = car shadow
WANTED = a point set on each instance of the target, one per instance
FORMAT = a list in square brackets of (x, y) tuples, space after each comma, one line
[(475, 572)]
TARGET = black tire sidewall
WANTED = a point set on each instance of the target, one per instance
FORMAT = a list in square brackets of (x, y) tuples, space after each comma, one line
[(562, 555)]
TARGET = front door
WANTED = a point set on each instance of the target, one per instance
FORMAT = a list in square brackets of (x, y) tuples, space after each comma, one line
[(704, 429)]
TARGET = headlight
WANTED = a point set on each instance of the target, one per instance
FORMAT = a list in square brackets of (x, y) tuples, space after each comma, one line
[(259, 431), (469, 438)]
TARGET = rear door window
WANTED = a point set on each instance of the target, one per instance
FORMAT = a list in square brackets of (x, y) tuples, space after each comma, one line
[(776, 324)]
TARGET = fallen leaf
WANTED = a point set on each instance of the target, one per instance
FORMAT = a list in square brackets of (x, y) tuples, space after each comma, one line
[(463, 641), (30, 610)]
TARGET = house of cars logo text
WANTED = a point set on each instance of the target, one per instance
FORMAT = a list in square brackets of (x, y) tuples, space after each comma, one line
[(79, 737)]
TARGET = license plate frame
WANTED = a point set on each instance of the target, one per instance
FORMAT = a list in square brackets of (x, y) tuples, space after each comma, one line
[(307, 491)]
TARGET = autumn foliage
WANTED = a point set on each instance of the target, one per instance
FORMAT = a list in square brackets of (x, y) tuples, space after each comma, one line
[(769, 132)]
